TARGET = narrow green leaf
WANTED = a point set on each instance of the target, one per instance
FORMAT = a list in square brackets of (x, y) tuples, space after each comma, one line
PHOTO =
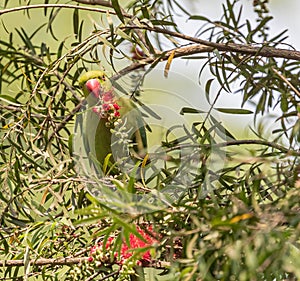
[(60, 48), (234, 110), (127, 227), (190, 110), (10, 100), (284, 105), (196, 17), (45, 8), (221, 128), (117, 8), (106, 162), (76, 22), (145, 12), (163, 22), (191, 246), (4, 243), (207, 88), (80, 31), (53, 14), (123, 35)]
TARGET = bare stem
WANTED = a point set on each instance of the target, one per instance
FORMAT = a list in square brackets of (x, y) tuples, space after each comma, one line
[(69, 261), (241, 142), (42, 6), (42, 261), (263, 51), (95, 2)]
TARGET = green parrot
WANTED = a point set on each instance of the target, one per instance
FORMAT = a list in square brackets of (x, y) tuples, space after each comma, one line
[(112, 123)]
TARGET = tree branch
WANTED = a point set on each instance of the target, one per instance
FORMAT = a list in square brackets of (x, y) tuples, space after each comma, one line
[(178, 52), (240, 142), (263, 51), (103, 3), (71, 261), (42, 261), (66, 6)]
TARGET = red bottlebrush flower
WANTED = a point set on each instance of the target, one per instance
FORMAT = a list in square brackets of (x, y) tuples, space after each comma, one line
[(94, 87), (108, 96), (134, 243)]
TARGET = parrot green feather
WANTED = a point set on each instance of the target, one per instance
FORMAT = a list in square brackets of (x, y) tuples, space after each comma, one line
[(98, 135)]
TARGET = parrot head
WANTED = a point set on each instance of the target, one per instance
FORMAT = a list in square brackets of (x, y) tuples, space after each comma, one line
[(94, 82), (100, 96)]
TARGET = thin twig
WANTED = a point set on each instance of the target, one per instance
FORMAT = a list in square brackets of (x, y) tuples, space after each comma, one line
[(68, 118), (178, 52), (66, 6), (239, 142), (103, 3), (43, 261), (105, 277), (70, 261), (286, 81)]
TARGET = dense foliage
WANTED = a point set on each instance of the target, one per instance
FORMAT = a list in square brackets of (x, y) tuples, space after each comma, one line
[(235, 221)]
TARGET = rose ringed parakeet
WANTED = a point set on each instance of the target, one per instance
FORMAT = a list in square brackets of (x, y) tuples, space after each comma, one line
[(111, 119)]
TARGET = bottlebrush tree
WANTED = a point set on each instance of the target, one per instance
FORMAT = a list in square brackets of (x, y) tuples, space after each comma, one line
[(199, 203)]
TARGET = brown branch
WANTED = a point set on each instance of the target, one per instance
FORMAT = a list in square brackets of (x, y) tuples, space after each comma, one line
[(68, 118), (206, 46), (42, 261), (103, 3), (66, 6), (92, 277), (239, 142), (71, 261), (178, 52), (263, 51)]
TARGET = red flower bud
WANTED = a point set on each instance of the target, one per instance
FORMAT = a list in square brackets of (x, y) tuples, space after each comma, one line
[(116, 106)]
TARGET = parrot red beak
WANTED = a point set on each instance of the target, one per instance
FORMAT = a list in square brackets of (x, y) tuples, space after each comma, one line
[(94, 87)]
